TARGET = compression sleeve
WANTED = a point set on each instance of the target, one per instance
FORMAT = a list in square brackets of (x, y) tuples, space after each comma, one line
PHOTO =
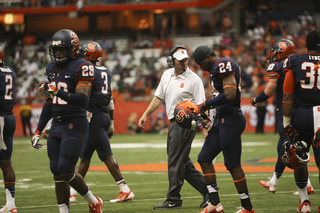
[(288, 84), (217, 101), (45, 116), (75, 99)]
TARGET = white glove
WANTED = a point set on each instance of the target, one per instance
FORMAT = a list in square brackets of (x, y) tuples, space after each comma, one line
[(35, 140), (111, 128)]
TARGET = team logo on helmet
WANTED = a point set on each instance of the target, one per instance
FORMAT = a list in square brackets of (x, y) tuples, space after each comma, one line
[(186, 115), (75, 39)]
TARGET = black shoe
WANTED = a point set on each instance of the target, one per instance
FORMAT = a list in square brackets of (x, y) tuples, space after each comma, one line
[(205, 201), (169, 205)]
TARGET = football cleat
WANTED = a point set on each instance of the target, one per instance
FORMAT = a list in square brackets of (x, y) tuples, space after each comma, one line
[(266, 184), (96, 207), (123, 197), (72, 198), (310, 190), (7, 210), (213, 209), (304, 207), (243, 210)]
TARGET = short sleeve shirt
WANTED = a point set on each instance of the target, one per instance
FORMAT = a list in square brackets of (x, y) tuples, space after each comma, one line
[(174, 89)]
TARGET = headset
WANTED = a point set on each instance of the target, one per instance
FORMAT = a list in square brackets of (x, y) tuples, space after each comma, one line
[(170, 59)]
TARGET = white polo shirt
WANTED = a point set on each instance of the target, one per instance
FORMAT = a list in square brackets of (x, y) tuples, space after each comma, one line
[(173, 90)]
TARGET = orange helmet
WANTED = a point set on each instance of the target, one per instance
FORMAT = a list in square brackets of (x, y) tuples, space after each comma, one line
[(187, 116), (294, 154), (282, 49), (91, 51)]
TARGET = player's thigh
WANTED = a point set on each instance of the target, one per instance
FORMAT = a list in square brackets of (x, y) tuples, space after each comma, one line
[(72, 136), (98, 136), (230, 131), (302, 121), (8, 131)]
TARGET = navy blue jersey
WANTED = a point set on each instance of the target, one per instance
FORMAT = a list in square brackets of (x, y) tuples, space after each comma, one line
[(101, 91), (307, 80), (275, 70), (66, 79), (226, 66), (7, 90)]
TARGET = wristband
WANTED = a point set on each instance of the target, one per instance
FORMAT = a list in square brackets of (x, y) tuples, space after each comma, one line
[(261, 97)]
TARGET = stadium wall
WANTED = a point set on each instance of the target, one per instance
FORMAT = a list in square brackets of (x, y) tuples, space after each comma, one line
[(125, 110)]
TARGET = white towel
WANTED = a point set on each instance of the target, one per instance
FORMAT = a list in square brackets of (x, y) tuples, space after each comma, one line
[(2, 144), (316, 118)]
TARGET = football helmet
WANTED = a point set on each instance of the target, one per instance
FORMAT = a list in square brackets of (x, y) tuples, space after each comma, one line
[(91, 51), (1, 57), (294, 154), (64, 46), (186, 117), (282, 49)]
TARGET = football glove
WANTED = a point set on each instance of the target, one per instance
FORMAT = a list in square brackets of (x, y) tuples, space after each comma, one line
[(316, 141), (47, 88), (110, 130), (35, 140), (253, 101), (203, 107), (45, 133)]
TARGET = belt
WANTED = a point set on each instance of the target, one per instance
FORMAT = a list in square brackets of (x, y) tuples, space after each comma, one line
[(68, 117), (172, 120)]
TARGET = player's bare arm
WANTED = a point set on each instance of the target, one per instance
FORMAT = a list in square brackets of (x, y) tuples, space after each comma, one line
[(271, 86), (84, 87), (229, 86)]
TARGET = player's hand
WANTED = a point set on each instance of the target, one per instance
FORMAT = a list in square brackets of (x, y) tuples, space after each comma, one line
[(35, 140), (203, 107), (48, 88), (253, 101), (290, 131), (45, 133), (316, 141), (110, 131)]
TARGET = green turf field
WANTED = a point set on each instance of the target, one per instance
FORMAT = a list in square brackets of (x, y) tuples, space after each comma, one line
[(35, 186)]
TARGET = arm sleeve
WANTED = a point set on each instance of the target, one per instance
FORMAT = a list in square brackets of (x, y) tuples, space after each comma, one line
[(288, 84), (45, 116), (75, 99)]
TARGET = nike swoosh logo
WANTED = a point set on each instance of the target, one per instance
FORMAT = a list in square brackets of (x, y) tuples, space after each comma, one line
[(67, 76), (171, 205)]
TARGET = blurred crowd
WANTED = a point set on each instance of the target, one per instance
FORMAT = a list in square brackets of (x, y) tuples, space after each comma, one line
[(135, 79)]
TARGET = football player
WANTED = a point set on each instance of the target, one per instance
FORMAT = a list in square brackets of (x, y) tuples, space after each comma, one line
[(280, 51), (69, 86), (225, 76), (7, 129), (301, 103), (100, 116)]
